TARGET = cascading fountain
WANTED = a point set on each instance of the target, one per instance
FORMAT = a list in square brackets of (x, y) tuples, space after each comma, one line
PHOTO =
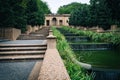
[(102, 57)]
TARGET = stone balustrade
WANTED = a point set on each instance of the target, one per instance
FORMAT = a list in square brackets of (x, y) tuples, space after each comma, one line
[(33, 28), (52, 67)]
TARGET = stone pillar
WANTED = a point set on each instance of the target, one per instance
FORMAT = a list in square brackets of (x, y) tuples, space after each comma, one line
[(85, 29), (113, 27), (51, 41), (29, 29), (51, 22)]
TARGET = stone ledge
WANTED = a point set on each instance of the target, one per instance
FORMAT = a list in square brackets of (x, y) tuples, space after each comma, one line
[(53, 67)]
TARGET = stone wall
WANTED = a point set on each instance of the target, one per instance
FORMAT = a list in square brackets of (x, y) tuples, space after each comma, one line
[(9, 33)]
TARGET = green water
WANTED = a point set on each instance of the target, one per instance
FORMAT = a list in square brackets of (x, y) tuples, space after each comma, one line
[(101, 59)]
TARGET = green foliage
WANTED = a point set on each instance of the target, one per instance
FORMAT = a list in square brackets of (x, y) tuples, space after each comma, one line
[(12, 13), (92, 15), (74, 70), (114, 6), (67, 9), (43, 6), (102, 13), (19, 13), (80, 17), (34, 13)]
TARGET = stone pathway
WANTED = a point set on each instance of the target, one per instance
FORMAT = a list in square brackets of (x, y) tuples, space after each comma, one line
[(16, 70)]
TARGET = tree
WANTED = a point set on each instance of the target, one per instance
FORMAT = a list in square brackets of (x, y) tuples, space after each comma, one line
[(32, 12), (12, 13), (43, 7), (67, 9), (100, 16), (80, 17), (35, 12), (114, 6), (19, 13)]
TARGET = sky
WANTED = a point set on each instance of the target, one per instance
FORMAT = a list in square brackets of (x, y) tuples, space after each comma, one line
[(55, 4)]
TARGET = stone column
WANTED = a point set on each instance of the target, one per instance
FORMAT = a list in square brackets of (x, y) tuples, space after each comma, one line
[(58, 23), (113, 27), (51, 41), (51, 22)]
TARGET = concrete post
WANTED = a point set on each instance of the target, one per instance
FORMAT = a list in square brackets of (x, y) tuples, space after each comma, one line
[(51, 41)]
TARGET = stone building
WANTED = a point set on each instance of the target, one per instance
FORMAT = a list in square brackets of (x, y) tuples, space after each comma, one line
[(57, 19)]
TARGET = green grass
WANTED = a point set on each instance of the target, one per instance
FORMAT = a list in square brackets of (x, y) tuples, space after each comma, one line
[(74, 70)]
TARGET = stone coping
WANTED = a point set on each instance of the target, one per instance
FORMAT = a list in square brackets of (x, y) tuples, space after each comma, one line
[(53, 67)]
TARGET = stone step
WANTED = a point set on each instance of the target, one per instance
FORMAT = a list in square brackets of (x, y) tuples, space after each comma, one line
[(22, 53), (3, 40), (31, 37), (21, 57), (38, 35), (77, 38), (23, 45), (91, 46), (22, 48)]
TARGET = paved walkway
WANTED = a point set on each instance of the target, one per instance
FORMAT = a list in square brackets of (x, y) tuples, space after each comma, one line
[(16, 70)]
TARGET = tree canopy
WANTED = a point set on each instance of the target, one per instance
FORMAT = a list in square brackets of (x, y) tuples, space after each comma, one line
[(80, 16), (12, 13), (19, 13), (35, 12), (102, 13), (67, 9)]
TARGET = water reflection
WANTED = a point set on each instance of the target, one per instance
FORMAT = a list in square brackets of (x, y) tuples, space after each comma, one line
[(105, 64)]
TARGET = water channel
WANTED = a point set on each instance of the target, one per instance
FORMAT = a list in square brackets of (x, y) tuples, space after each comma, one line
[(104, 60)]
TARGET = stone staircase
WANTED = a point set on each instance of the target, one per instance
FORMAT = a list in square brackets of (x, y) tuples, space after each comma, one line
[(25, 47), (38, 35), (22, 51)]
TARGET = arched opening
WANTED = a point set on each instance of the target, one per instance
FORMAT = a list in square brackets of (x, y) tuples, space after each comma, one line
[(54, 21), (61, 22), (47, 22)]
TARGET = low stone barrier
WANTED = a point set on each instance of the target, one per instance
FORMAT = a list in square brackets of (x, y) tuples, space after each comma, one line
[(32, 28), (52, 67), (9, 33)]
